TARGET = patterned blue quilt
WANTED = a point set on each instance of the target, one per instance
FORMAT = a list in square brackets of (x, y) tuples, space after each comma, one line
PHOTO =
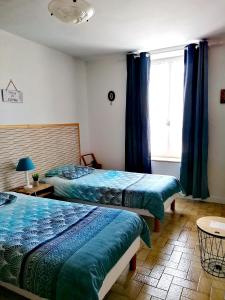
[(120, 188), (61, 250)]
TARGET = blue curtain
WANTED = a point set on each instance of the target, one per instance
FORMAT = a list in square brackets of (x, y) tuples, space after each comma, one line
[(194, 161), (137, 145)]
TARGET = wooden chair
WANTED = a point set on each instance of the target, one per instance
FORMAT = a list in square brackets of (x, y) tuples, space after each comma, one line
[(90, 161)]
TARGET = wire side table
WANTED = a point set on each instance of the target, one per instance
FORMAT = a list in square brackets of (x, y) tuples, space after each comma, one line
[(211, 234)]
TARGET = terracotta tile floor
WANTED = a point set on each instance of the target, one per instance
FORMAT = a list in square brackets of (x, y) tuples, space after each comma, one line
[(171, 269)]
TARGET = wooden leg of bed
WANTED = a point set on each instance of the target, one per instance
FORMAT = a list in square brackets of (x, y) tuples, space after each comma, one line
[(172, 206), (156, 225), (133, 263)]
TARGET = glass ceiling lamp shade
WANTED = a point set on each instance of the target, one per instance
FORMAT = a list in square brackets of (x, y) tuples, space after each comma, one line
[(25, 164), (71, 11)]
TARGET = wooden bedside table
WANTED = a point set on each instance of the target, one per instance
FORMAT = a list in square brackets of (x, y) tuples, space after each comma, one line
[(44, 190)]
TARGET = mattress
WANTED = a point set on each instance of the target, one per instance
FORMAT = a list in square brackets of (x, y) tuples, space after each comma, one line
[(134, 190), (61, 250)]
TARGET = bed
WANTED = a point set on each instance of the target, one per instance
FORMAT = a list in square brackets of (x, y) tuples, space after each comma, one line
[(52, 249), (149, 194)]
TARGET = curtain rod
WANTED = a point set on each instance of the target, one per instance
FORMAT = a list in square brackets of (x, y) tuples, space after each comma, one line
[(156, 51), (168, 49), (219, 42), (211, 43)]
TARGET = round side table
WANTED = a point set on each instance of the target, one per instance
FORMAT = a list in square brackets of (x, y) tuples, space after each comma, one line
[(211, 234)]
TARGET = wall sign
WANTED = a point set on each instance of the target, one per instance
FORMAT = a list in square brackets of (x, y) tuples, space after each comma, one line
[(11, 94)]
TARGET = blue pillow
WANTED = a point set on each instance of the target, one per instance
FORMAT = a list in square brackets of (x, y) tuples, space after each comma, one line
[(69, 171), (77, 172), (58, 170), (6, 198)]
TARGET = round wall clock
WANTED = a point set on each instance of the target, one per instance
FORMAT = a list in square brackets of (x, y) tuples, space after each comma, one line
[(111, 96)]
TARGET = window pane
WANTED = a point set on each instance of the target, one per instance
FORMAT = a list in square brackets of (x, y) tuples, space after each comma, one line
[(159, 107), (176, 108), (166, 107)]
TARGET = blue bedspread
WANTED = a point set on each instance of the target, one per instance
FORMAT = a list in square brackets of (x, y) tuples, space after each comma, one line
[(127, 189), (61, 250)]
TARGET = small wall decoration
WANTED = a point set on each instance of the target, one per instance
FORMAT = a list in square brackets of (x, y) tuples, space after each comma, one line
[(11, 94), (222, 96), (111, 96)]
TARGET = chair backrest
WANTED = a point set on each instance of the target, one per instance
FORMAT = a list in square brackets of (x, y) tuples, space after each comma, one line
[(89, 159)]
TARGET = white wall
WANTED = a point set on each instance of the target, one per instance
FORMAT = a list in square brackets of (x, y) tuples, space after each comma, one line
[(166, 168), (216, 165), (107, 123), (53, 85)]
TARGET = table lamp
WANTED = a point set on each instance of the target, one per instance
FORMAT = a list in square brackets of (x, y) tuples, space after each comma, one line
[(25, 164)]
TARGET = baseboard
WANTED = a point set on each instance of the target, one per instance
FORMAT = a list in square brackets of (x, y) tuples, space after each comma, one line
[(211, 199), (215, 199)]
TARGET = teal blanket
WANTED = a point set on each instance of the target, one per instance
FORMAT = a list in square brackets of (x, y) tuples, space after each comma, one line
[(60, 250), (120, 188)]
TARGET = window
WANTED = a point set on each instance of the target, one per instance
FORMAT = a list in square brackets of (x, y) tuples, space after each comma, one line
[(166, 107)]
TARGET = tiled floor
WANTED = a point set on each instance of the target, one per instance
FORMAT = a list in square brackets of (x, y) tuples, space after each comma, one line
[(171, 269)]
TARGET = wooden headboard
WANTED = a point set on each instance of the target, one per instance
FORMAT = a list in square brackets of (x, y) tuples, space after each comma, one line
[(49, 145)]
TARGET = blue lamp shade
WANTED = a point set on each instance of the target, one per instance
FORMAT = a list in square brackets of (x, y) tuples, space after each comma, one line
[(25, 164)]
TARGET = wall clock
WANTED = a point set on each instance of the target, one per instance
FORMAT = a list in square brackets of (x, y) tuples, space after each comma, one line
[(111, 96)]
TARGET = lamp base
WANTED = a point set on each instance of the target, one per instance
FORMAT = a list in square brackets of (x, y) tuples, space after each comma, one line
[(27, 187)]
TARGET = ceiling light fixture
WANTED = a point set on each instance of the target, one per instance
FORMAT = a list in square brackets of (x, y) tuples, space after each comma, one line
[(71, 11)]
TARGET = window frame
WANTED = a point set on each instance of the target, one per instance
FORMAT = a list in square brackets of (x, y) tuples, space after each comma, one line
[(160, 57)]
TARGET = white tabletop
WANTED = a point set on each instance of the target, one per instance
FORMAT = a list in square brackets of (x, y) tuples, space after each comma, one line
[(212, 225)]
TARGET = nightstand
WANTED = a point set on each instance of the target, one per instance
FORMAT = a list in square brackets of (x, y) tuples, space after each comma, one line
[(44, 190)]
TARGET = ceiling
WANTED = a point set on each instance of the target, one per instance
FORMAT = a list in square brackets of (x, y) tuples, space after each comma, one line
[(118, 25)]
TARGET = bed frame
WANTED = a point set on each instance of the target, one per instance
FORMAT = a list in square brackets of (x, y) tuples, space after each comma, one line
[(169, 203), (128, 257)]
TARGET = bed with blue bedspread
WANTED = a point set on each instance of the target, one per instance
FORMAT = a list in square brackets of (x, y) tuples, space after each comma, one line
[(62, 250), (133, 190)]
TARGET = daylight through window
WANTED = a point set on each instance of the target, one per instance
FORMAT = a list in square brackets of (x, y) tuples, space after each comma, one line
[(166, 107)]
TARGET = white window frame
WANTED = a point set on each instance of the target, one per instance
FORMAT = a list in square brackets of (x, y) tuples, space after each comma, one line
[(160, 57)]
